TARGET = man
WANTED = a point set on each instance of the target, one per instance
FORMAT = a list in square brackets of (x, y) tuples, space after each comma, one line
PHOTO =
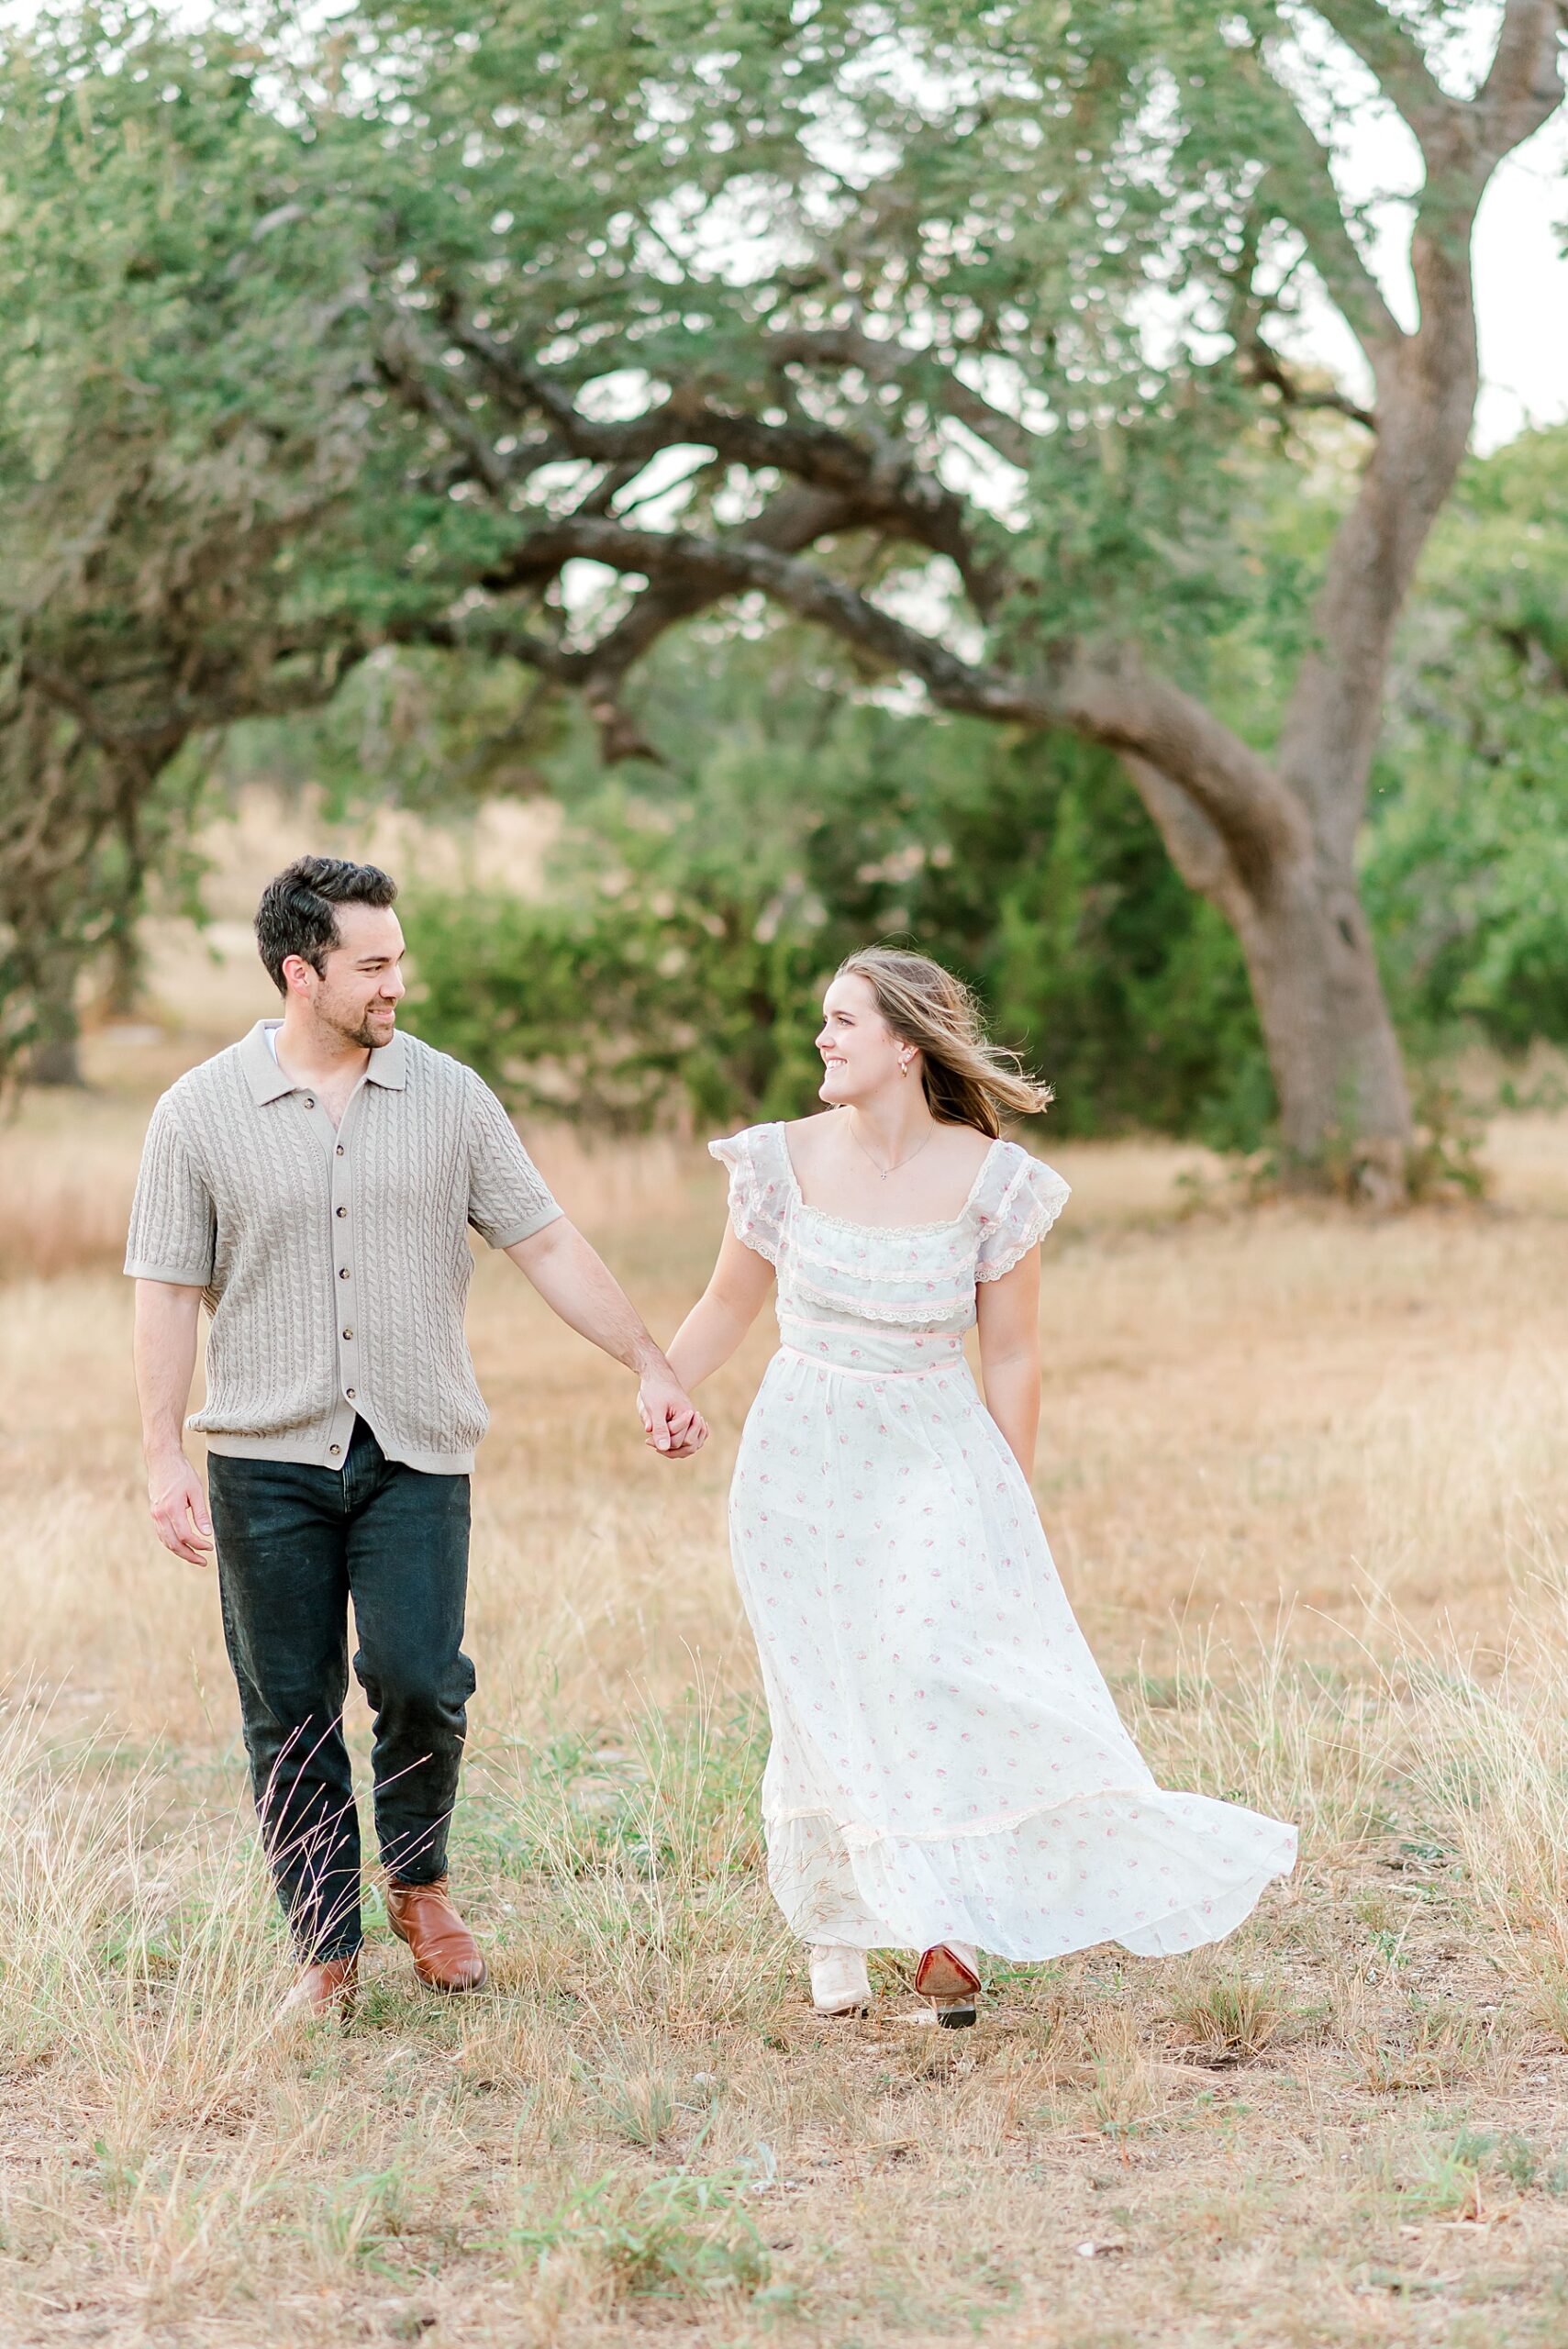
[(314, 1184)]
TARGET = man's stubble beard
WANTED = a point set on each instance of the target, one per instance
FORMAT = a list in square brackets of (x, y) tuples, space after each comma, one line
[(363, 1036)]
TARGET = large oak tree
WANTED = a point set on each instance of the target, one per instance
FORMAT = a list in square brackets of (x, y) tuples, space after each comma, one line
[(958, 333), (957, 321)]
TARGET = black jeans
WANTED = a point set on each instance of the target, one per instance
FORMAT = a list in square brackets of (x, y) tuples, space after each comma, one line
[(295, 1545)]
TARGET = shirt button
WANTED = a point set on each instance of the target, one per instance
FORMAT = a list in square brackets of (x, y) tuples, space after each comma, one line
[(348, 1333), (340, 1149), (350, 1394), (333, 1450), (343, 1271), (342, 1210), (310, 1104)]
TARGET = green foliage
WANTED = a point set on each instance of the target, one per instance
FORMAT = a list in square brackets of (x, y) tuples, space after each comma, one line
[(676, 969), (176, 415), (621, 1009), (1466, 868), (694, 912), (299, 308)]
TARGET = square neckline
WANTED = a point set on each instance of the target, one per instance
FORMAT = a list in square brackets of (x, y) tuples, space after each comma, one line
[(847, 1223)]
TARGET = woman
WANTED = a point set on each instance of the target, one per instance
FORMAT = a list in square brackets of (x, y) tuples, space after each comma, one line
[(948, 1768)]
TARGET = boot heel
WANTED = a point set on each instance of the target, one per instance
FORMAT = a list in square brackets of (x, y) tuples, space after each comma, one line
[(950, 1983)]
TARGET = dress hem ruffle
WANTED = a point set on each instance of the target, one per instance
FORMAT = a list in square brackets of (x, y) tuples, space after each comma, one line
[(838, 1885)]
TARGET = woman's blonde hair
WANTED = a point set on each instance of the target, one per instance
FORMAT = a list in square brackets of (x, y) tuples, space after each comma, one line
[(969, 1081)]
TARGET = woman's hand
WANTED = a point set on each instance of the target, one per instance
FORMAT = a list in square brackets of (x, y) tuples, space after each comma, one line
[(671, 1420)]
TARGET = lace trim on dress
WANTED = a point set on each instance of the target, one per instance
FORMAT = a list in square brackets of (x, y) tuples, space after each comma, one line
[(758, 1229), (1042, 1213), (935, 1268), (769, 1216), (914, 1311), (909, 1261), (939, 1282)]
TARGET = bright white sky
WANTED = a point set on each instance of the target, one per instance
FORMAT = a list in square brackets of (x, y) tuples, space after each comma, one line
[(1521, 290), (1521, 239)]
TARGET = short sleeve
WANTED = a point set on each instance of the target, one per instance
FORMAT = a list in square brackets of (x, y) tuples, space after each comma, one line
[(508, 1198), (1033, 1195), (174, 1224), (759, 1190)]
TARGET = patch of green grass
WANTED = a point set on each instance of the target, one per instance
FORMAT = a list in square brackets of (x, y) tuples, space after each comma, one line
[(1230, 2017), (1531, 2170), (1462, 2169), (636, 2102), (677, 2236), (676, 1794)]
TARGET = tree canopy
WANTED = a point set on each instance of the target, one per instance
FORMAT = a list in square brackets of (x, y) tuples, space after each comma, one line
[(964, 338)]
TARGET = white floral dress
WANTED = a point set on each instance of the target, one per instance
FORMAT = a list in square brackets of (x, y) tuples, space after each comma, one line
[(947, 1760)]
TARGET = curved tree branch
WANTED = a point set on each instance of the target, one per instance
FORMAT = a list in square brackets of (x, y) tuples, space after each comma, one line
[(1300, 188), (1523, 87), (881, 359), (885, 482), (1393, 56), (1105, 693)]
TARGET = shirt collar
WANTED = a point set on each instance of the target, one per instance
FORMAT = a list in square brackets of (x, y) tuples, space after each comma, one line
[(388, 1065)]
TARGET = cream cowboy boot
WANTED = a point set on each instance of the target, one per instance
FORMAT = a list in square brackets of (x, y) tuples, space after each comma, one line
[(840, 1983)]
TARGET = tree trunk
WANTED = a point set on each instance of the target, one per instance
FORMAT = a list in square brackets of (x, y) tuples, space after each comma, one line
[(53, 1056), (1344, 1110), (123, 958)]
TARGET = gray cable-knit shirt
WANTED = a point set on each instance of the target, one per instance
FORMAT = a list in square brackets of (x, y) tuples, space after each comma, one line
[(334, 1260)]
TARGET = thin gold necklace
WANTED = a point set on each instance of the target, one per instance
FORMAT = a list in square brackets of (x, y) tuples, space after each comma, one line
[(883, 1172)]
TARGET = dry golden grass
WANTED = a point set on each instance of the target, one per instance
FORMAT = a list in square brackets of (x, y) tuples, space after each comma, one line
[(1305, 1479)]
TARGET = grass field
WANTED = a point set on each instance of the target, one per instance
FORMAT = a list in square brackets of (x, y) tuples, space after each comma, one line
[(1305, 1479)]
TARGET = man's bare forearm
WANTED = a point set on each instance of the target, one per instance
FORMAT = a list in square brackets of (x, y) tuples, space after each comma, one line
[(164, 1352), (579, 1287)]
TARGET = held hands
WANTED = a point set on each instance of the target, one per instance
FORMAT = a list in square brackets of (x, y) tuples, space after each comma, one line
[(671, 1420), (179, 1510)]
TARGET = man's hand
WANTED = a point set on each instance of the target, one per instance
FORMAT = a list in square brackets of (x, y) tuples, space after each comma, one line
[(671, 1420), (179, 1510)]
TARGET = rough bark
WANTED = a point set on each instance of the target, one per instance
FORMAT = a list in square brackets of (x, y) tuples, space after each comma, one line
[(1313, 968)]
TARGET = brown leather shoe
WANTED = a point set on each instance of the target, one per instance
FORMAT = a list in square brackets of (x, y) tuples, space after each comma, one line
[(948, 1978), (446, 1955), (328, 1987)]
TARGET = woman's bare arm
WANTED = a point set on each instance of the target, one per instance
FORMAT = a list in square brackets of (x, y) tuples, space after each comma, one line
[(722, 1315), (1008, 1314)]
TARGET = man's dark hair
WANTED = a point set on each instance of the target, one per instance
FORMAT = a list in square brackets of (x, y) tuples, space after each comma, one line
[(298, 912)]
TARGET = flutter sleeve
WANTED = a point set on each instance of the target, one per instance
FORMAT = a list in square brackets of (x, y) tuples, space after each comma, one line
[(758, 1189), (1032, 1196)]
